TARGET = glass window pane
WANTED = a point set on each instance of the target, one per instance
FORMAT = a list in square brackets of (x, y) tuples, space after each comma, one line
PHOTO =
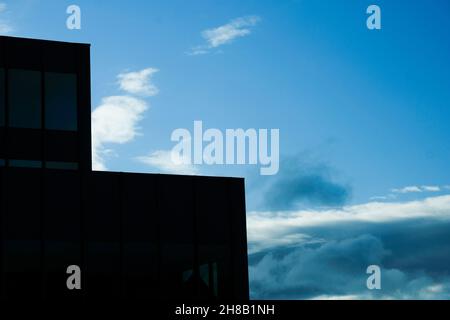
[(215, 268), (22, 269), (178, 277), (58, 255), (62, 206), (140, 270), (22, 234), (24, 99), (61, 165), (103, 266), (25, 163), (2, 97), (61, 101)]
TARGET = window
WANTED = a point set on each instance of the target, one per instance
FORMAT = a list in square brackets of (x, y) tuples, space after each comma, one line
[(25, 163), (139, 236), (103, 267), (216, 270), (2, 97), (24, 99), (62, 206), (102, 227), (208, 275), (58, 255), (22, 268), (140, 269), (61, 165), (61, 101), (21, 256)]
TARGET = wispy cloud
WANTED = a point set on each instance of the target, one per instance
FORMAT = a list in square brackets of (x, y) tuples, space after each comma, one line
[(417, 189), (225, 34), (410, 189), (397, 192), (115, 120), (5, 26), (139, 82), (431, 188), (163, 160), (383, 198)]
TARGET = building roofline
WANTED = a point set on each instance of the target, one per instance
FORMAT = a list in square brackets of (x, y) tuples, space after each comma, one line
[(45, 40), (169, 174)]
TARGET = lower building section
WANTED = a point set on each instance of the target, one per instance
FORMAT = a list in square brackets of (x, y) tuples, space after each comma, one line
[(137, 236)]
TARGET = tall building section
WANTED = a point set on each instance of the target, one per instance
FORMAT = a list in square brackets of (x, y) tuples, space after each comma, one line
[(133, 235)]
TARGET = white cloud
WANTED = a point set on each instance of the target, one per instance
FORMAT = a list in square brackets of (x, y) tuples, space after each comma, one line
[(225, 34), (199, 50), (417, 189), (162, 160), (383, 198), (379, 198), (139, 82), (264, 227), (431, 188), (114, 121), (5, 28), (409, 189), (342, 297), (2, 7)]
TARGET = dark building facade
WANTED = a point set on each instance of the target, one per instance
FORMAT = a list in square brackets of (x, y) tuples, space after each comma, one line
[(144, 236)]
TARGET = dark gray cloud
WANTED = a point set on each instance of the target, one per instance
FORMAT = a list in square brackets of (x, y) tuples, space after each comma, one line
[(304, 272), (300, 183), (414, 256), (305, 244)]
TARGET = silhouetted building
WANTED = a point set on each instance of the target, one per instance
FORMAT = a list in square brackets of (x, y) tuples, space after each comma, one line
[(133, 235)]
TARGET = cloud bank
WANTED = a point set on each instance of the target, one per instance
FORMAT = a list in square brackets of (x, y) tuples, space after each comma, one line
[(323, 254), (336, 270)]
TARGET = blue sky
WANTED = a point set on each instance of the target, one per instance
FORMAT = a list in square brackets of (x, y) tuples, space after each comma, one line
[(363, 115)]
